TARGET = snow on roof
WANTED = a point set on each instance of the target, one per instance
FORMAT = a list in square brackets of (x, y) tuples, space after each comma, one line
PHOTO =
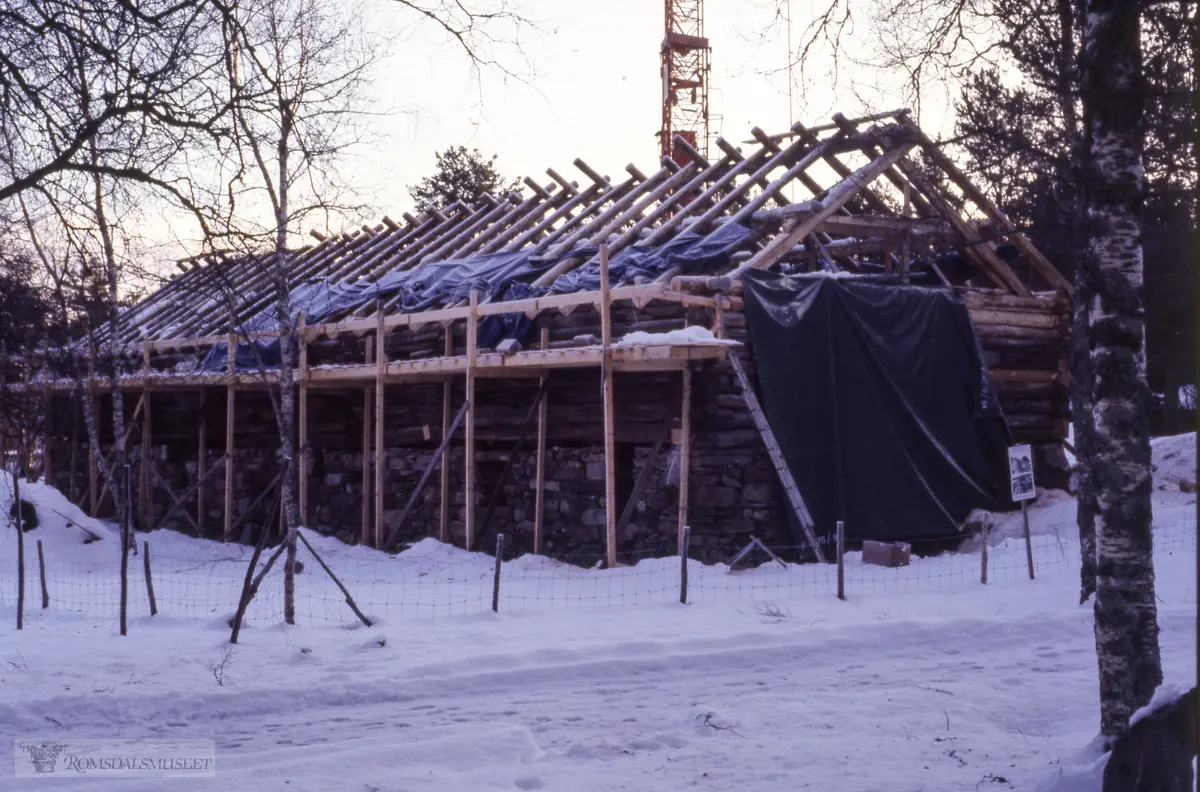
[(686, 336)]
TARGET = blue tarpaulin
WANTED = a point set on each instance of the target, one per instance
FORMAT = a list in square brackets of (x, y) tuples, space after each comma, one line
[(498, 277), (692, 253)]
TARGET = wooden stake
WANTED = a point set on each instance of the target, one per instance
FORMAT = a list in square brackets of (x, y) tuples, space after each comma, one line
[(125, 529), (380, 370), (93, 483), (469, 451), (201, 461), (539, 498), (987, 529), (685, 452), (444, 492), (367, 500), (610, 473), (249, 585), (302, 468), (416, 493), (20, 547), (349, 599), (42, 575), (149, 580), (179, 502), (1028, 538), (685, 536), (496, 576), (841, 558), (230, 397), (147, 486)]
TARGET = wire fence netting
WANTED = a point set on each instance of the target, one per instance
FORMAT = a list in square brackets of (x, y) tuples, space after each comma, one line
[(434, 581)]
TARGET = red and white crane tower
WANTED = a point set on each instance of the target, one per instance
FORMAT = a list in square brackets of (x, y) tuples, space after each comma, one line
[(685, 67)]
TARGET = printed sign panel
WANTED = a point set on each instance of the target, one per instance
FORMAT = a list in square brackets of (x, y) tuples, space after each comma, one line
[(115, 758), (1020, 472)]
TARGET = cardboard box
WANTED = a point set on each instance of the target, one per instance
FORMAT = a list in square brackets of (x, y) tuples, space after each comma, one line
[(888, 554)]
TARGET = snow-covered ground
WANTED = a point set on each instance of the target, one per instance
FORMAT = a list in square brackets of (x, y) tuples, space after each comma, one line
[(586, 679)]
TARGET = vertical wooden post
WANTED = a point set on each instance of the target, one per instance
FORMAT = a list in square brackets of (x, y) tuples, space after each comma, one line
[(230, 401), (42, 576), (202, 462), (367, 500), (987, 529), (380, 464), (841, 556), (472, 342), (610, 473), (125, 532), (496, 576), (149, 580), (20, 545), (1028, 538), (146, 486), (302, 468), (539, 496), (684, 540), (444, 516), (685, 449)]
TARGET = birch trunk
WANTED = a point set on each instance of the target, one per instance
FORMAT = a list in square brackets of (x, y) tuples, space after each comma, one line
[(1081, 418), (1126, 624), (114, 340), (287, 377), (90, 424)]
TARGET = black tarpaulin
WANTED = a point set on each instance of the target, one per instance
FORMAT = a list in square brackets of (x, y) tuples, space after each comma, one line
[(881, 404)]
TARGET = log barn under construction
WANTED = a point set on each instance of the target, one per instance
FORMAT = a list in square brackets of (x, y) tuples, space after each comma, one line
[(504, 328)]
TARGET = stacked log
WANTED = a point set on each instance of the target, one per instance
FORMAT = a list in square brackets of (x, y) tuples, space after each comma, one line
[(1024, 342)]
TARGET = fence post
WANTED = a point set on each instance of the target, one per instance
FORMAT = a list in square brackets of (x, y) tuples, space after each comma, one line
[(987, 529), (42, 574), (20, 546), (149, 580), (125, 553), (1028, 539), (496, 579), (684, 542), (841, 553)]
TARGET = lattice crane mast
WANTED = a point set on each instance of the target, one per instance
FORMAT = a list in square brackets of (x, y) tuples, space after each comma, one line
[(685, 57)]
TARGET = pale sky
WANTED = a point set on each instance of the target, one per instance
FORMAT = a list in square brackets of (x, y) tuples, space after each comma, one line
[(596, 93)]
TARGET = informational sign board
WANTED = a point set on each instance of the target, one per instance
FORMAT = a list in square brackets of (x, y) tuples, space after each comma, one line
[(1020, 471)]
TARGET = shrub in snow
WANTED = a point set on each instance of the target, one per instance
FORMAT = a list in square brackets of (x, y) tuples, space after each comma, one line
[(29, 516)]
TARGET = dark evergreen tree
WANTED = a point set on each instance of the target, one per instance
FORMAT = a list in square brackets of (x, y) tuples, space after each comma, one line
[(462, 174)]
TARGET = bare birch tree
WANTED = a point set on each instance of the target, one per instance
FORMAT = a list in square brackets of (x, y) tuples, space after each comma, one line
[(296, 72), (1126, 623)]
